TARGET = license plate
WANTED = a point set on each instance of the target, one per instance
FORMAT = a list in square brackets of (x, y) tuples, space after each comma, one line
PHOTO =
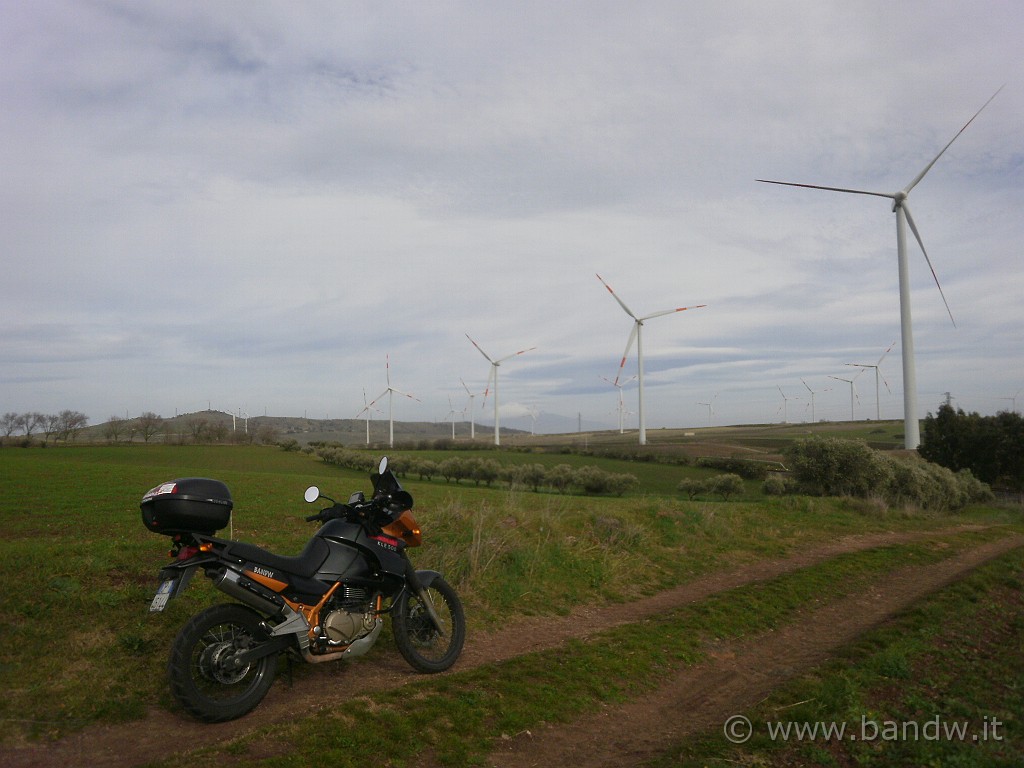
[(163, 594)]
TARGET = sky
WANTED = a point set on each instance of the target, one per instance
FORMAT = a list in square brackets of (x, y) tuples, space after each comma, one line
[(257, 207)]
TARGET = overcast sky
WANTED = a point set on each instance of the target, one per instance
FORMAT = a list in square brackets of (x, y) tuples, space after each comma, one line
[(249, 206)]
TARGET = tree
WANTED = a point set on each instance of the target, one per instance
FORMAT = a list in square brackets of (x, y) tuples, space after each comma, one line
[(992, 447), (149, 425), (9, 422), (728, 485), (113, 429), (71, 423)]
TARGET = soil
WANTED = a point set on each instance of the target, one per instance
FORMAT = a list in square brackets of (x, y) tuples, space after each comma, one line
[(736, 675)]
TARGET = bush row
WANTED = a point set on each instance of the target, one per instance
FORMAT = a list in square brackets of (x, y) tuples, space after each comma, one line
[(729, 484), (827, 466), (561, 478)]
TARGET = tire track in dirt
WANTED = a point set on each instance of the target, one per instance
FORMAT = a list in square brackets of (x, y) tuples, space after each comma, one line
[(162, 733), (736, 676)]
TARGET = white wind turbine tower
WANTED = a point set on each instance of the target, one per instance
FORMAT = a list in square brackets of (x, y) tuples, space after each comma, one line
[(853, 390), (472, 411), (622, 406), (452, 413), (368, 410), (785, 405), (1013, 401), (635, 335), (878, 407), (711, 407), (911, 427), (390, 392), (494, 375), (812, 398)]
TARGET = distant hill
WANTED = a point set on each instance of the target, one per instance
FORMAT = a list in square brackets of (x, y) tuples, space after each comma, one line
[(224, 427)]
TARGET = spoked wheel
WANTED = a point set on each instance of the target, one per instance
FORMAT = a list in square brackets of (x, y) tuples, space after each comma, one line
[(203, 681), (426, 648)]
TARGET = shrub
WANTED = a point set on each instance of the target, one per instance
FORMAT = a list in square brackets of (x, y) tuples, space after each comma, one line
[(727, 485), (774, 485), (751, 470), (692, 487)]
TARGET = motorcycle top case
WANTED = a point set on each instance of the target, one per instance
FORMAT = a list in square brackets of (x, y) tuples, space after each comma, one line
[(188, 504)]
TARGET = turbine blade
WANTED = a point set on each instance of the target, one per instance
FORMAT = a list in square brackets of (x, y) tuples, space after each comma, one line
[(928, 167), (830, 189), (885, 353), (479, 350), (514, 354), (387, 368), (913, 228), (671, 311), (466, 388), (614, 296), (629, 346)]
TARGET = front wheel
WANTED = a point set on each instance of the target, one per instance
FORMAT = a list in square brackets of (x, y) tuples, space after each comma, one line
[(201, 678), (421, 643)]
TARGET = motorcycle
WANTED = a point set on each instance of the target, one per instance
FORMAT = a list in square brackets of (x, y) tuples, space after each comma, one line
[(324, 604)]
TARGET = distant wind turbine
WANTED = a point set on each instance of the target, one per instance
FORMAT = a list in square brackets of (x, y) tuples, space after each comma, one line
[(472, 411), (878, 407), (812, 398), (390, 392), (635, 335), (622, 406), (1013, 400), (368, 409), (494, 375), (911, 427), (711, 407), (853, 390), (785, 406)]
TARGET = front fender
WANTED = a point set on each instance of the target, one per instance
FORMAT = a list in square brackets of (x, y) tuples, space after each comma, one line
[(426, 578)]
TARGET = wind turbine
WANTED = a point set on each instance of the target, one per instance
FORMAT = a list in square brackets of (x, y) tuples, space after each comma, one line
[(711, 407), (878, 407), (368, 410), (622, 406), (1013, 401), (785, 405), (494, 375), (911, 427), (452, 413), (390, 392), (472, 411), (853, 390), (635, 335), (812, 398)]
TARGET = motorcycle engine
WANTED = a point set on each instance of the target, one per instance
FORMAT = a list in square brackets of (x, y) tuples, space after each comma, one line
[(343, 627), (347, 617)]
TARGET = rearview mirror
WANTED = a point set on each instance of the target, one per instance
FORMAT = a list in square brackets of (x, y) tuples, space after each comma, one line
[(383, 465), (312, 494)]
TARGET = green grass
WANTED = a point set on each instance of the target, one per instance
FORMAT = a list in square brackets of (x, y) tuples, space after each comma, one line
[(460, 718), (941, 685), (78, 647)]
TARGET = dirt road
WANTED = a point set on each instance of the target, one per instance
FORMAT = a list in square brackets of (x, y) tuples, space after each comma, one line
[(699, 697)]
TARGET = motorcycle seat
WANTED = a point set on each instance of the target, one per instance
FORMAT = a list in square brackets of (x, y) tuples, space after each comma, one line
[(304, 564)]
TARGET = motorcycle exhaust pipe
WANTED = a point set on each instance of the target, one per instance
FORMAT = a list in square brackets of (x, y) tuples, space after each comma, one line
[(246, 591)]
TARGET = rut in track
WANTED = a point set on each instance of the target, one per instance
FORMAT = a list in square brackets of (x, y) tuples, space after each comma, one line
[(736, 677), (162, 733)]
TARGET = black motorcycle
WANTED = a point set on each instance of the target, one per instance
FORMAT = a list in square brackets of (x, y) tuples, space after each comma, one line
[(324, 604)]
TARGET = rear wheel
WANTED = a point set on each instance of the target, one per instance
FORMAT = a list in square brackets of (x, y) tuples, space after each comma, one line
[(420, 642), (203, 680)]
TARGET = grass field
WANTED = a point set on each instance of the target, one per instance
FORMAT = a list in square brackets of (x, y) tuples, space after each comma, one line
[(77, 646)]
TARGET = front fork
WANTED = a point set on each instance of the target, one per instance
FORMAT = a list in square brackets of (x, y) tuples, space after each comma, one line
[(418, 581)]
